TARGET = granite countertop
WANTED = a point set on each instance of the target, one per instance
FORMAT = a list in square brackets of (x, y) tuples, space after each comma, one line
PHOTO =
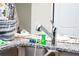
[(60, 46)]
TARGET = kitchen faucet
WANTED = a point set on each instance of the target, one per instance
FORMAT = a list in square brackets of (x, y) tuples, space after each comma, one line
[(52, 35)]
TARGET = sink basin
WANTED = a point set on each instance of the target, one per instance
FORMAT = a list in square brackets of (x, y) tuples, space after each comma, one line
[(51, 53)]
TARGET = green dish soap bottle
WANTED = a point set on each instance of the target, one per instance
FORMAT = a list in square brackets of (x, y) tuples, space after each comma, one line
[(43, 40)]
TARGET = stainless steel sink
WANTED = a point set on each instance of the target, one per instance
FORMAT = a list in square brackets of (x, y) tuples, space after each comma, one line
[(51, 53)]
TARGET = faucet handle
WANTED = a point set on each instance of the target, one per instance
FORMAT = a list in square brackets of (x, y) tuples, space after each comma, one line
[(38, 27)]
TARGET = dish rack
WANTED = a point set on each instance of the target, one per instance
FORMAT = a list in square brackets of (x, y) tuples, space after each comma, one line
[(7, 29)]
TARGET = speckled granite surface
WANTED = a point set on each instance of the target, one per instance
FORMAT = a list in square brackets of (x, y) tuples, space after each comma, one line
[(74, 48)]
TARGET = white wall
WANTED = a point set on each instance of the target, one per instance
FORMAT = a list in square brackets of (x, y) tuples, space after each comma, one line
[(67, 18), (24, 15), (41, 14), (32, 14)]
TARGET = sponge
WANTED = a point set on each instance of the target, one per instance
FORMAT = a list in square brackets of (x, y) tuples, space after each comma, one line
[(2, 42)]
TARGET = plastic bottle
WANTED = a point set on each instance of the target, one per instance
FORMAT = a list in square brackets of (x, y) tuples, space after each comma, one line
[(43, 39)]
